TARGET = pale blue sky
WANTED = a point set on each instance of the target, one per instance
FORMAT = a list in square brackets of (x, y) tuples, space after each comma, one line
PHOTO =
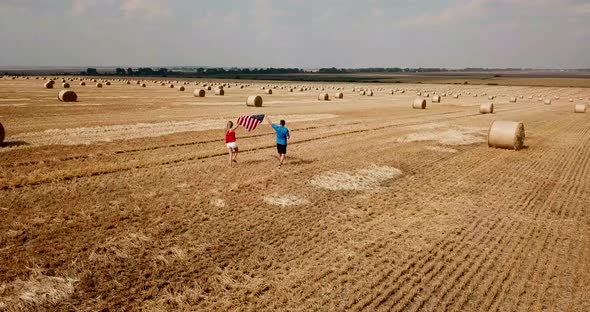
[(296, 33)]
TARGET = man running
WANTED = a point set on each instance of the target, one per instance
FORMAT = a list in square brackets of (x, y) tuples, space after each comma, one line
[(282, 137)]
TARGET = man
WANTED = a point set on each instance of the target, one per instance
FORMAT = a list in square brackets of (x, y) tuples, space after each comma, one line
[(282, 137)]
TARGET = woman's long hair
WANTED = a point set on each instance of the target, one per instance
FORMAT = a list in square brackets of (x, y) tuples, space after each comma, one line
[(228, 126)]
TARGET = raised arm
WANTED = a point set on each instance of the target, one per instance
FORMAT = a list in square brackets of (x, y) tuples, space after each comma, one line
[(268, 120), (236, 127)]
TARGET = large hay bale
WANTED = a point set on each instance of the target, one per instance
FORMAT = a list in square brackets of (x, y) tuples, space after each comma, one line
[(2, 134), (486, 108), (254, 100), (506, 134), (99, 85), (268, 91), (199, 93), (219, 91), (436, 99), (67, 96), (323, 97), (65, 85), (580, 108), (181, 88), (339, 95), (419, 103)]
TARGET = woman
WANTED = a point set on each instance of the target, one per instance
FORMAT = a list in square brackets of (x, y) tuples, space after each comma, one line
[(230, 142)]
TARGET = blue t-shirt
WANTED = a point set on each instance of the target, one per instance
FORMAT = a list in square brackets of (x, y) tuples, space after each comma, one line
[(282, 134)]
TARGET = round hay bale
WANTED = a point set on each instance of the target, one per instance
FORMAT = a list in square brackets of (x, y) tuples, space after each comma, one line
[(436, 99), (339, 95), (99, 85), (323, 97), (547, 102), (108, 83), (171, 86), (48, 85), (181, 88), (143, 85), (455, 96), (65, 85), (208, 88), (2, 134), (512, 100), (127, 82), (254, 100), (199, 93), (370, 93), (426, 95), (486, 108), (571, 100), (219, 91), (419, 103), (67, 96), (506, 134), (362, 93), (580, 108), (82, 83), (268, 91)]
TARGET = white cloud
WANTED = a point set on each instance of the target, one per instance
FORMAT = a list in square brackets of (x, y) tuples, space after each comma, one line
[(149, 9)]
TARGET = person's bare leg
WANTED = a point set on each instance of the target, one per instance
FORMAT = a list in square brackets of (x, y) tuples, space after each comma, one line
[(281, 159), (235, 154), (231, 156)]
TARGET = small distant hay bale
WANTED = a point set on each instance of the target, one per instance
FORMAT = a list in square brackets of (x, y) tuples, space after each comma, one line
[(254, 100), (491, 97), (580, 108), (2, 134), (455, 96), (82, 83), (370, 93), (199, 93), (171, 86), (513, 100), (419, 103), (48, 85), (108, 83), (547, 102), (362, 93), (571, 100), (65, 85), (486, 108), (67, 96), (269, 91), (436, 99), (426, 95), (323, 97), (99, 85), (143, 85), (506, 134), (181, 88), (127, 82), (208, 88), (339, 95), (219, 91)]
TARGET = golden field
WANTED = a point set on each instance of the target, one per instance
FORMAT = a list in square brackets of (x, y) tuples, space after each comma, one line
[(124, 200)]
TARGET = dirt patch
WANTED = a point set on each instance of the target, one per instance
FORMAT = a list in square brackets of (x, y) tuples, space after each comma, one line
[(441, 149), (359, 180), (285, 200), (449, 136)]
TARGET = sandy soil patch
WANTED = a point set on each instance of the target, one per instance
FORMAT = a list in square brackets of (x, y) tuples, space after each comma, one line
[(285, 200), (359, 180), (441, 149), (449, 136)]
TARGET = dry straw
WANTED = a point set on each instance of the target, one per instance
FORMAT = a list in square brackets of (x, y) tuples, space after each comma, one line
[(486, 108), (67, 96), (254, 100), (419, 103), (199, 93), (506, 134)]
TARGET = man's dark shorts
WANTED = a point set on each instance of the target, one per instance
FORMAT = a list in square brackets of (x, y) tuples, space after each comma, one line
[(282, 149)]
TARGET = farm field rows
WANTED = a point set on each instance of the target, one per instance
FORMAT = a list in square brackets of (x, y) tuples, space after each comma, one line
[(124, 200)]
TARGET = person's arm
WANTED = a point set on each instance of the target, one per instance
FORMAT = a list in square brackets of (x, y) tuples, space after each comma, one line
[(268, 120), (288, 135), (236, 127)]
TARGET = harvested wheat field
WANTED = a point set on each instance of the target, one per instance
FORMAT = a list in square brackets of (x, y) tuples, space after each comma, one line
[(124, 200)]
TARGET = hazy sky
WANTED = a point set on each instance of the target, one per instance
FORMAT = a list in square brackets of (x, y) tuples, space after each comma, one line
[(296, 33)]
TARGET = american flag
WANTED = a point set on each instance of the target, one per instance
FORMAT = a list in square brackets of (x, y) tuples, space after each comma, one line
[(250, 122)]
